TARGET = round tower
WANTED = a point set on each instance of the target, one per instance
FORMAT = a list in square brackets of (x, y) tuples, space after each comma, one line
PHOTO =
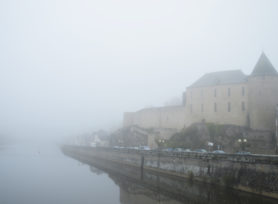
[(262, 95)]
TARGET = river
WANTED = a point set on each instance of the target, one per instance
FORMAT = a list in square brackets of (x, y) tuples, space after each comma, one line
[(39, 173)]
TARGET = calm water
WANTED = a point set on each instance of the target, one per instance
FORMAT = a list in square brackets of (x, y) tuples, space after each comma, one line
[(42, 174), (39, 174)]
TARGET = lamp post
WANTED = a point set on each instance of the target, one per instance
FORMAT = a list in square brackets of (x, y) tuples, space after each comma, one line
[(276, 134), (161, 143), (210, 145), (276, 128), (242, 143)]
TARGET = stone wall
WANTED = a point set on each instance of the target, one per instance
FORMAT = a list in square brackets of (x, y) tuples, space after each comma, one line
[(211, 104), (199, 105), (252, 173), (262, 100), (162, 117)]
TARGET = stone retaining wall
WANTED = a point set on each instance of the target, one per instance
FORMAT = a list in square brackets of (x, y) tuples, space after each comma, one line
[(252, 173)]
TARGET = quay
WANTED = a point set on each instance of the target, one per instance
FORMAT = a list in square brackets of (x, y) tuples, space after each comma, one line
[(256, 174)]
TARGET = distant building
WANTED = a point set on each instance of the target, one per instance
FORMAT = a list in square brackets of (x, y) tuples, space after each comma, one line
[(226, 97)]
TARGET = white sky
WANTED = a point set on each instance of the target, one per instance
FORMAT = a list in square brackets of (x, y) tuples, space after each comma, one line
[(68, 66)]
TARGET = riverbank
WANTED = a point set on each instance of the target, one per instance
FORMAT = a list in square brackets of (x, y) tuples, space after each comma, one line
[(251, 173)]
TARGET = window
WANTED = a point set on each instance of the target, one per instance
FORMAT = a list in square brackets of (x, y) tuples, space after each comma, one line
[(215, 93), (191, 108), (229, 91), (229, 107), (202, 108), (242, 106), (215, 107), (243, 91)]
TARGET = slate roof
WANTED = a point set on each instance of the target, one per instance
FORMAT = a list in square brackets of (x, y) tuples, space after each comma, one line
[(264, 67), (220, 78)]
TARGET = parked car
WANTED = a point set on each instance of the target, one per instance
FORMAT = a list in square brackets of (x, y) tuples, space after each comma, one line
[(201, 150), (219, 152), (132, 148), (181, 150), (119, 147), (168, 150), (178, 150), (243, 152), (144, 148)]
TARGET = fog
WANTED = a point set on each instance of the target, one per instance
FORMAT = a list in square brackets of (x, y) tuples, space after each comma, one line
[(68, 66)]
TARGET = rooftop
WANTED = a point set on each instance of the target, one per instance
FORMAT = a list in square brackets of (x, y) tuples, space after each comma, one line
[(220, 78), (264, 67)]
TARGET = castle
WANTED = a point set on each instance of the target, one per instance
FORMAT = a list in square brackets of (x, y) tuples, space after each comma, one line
[(226, 97)]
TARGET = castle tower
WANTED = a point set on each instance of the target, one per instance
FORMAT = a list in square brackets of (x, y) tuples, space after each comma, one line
[(262, 95)]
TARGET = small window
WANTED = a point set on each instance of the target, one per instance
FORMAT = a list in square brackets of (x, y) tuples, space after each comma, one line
[(242, 106), (229, 107), (191, 108), (202, 108), (215, 93), (202, 93), (243, 91), (215, 107), (229, 91)]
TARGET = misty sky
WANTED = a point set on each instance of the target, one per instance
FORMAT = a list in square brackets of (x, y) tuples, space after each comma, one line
[(73, 66)]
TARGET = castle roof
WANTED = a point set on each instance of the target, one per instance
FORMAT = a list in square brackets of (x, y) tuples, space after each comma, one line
[(264, 67), (220, 78)]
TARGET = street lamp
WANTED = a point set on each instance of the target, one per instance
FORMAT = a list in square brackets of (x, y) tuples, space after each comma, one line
[(242, 142), (161, 142), (210, 145), (276, 128)]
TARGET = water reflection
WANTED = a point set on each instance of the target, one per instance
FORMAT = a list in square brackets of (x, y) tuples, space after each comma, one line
[(40, 173), (96, 170), (150, 188)]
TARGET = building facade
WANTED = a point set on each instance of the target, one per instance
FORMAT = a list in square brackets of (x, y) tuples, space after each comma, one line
[(227, 97)]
